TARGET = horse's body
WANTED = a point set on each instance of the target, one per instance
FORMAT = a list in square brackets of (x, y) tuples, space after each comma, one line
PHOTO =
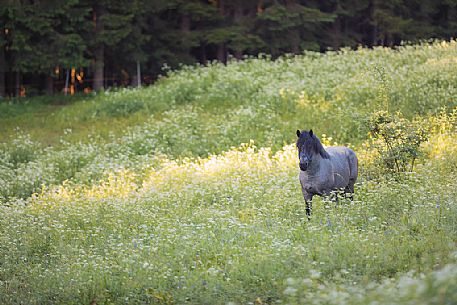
[(324, 170)]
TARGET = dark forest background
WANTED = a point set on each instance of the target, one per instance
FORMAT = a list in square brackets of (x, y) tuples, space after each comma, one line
[(49, 46)]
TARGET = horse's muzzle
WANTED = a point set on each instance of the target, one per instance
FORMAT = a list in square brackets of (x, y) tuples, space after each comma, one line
[(303, 166)]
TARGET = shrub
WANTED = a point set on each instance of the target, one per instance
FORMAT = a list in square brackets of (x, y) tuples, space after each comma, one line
[(397, 140)]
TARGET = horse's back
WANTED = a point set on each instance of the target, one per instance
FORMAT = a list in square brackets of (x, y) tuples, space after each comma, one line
[(345, 165)]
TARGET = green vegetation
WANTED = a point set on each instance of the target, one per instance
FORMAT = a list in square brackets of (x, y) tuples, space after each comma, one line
[(94, 44), (166, 205)]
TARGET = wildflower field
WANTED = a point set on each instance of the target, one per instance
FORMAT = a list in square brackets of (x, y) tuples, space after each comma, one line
[(187, 192)]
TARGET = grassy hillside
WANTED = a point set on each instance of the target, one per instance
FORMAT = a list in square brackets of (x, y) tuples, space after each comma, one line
[(150, 196)]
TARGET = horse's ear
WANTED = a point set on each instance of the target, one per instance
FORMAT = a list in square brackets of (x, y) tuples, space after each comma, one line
[(311, 132), (298, 133)]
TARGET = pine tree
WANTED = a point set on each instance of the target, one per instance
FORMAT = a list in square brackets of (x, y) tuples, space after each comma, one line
[(350, 23), (113, 39), (290, 26), (445, 18), (42, 35), (179, 32), (243, 37), (389, 22), (112, 22), (28, 28), (66, 42), (3, 67)]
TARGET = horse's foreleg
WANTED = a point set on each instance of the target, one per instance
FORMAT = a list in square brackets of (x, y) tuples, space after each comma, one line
[(309, 204), (308, 208)]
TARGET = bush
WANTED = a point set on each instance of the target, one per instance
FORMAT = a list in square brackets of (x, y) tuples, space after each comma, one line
[(397, 140)]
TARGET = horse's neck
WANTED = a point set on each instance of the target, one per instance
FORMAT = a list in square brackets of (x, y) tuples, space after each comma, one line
[(316, 164)]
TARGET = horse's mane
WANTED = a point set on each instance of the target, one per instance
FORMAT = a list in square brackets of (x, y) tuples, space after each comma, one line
[(312, 143)]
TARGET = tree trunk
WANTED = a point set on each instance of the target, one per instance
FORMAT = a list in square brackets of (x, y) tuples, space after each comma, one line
[(221, 56), (204, 59), (99, 75), (294, 33), (67, 81), (336, 33), (237, 16), (17, 83), (185, 23), (336, 27), (444, 15), (49, 85), (221, 48), (373, 30), (295, 41), (136, 77), (99, 53), (238, 54), (2, 64), (185, 30)]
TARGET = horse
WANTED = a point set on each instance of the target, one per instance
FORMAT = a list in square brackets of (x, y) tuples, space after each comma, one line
[(323, 171)]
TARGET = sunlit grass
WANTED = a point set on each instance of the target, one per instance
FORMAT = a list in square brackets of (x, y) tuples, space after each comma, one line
[(164, 204), (228, 228)]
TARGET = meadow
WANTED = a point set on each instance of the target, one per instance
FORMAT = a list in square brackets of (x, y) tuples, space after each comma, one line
[(187, 192)]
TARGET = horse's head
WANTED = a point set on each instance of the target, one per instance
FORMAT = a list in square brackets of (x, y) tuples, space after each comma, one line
[(308, 146), (305, 146)]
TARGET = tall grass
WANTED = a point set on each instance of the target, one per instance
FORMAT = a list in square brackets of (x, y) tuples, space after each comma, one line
[(174, 209)]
